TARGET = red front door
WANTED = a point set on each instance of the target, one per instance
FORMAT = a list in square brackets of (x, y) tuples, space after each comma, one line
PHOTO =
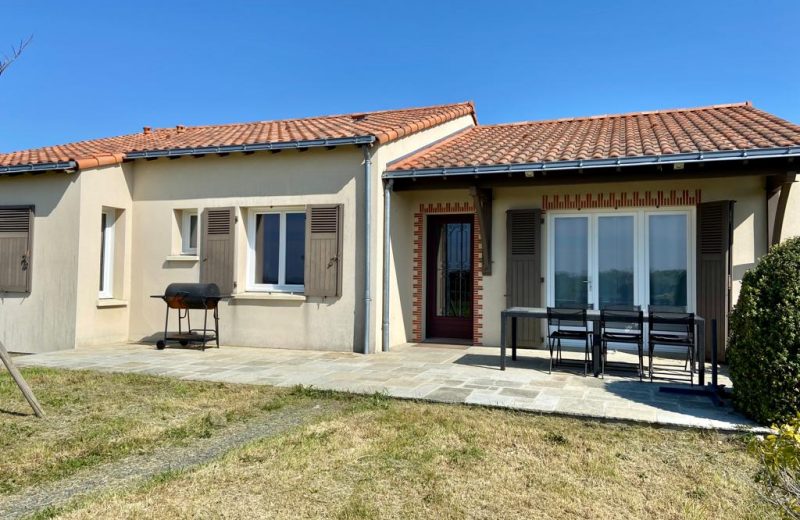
[(449, 277)]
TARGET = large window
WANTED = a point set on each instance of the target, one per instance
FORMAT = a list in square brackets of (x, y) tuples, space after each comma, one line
[(602, 259), (277, 241), (107, 219)]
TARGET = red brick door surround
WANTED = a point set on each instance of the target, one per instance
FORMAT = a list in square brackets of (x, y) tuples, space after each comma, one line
[(418, 298)]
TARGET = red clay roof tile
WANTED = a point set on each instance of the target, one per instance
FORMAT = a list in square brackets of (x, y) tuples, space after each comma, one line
[(385, 126), (664, 132)]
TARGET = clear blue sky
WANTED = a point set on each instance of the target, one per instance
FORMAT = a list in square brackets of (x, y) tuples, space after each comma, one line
[(105, 68)]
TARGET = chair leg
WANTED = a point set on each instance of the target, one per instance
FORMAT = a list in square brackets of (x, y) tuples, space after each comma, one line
[(559, 359), (603, 354), (550, 345), (651, 362), (586, 357), (641, 361)]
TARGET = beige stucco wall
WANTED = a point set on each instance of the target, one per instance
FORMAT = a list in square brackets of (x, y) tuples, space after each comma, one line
[(749, 236), (398, 249), (103, 321), (44, 320), (289, 178), (791, 223)]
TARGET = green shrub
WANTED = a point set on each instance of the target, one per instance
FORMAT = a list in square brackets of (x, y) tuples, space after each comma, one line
[(764, 337), (780, 467)]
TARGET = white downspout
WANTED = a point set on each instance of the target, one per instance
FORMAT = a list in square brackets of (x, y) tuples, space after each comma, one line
[(367, 245), (387, 246)]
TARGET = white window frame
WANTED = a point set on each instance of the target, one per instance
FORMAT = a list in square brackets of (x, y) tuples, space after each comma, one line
[(107, 247), (691, 258), (641, 251), (281, 286), (186, 228)]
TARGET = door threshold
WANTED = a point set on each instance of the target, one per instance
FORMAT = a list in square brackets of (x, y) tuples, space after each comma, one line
[(448, 342)]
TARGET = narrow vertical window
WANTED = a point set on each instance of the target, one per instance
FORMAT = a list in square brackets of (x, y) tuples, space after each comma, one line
[(189, 232), (106, 254)]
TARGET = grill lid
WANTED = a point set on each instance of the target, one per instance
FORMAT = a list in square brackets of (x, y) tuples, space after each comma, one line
[(191, 295)]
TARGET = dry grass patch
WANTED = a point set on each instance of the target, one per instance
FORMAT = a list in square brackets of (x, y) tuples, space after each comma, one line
[(96, 417), (393, 459)]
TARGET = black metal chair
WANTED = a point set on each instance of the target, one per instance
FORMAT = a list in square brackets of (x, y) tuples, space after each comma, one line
[(571, 324), (674, 329), (621, 324)]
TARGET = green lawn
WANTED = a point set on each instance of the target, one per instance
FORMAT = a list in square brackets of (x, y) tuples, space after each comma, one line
[(93, 418), (372, 458)]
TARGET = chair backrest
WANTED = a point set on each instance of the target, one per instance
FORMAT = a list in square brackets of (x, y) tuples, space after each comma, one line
[(566, 317), (667, 308), (620, 307), (675, 322), (630, 319)]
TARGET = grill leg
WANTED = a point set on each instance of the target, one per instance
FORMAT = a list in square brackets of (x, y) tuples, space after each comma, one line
[(205, 326), (163, 343)]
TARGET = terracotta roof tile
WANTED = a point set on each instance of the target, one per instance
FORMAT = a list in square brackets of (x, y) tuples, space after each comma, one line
[(385, 126), (665, 132)]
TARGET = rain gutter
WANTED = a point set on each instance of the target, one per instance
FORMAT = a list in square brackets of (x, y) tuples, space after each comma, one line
[(28, 168), (725, 155)]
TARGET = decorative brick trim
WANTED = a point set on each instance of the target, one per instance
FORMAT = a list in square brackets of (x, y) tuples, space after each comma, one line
[(417, 317), (622, 200)]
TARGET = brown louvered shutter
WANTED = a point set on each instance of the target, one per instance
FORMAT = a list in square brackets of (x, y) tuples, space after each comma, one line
[(714, 241), (217, 249), (16, 233), (523, 269), (323, 264)]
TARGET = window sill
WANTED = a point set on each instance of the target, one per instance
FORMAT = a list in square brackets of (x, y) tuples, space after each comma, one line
[(183, 258), (111, 302), (269, 296)]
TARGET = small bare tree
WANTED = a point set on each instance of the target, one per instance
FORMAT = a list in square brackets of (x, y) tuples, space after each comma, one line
[(16, 51)]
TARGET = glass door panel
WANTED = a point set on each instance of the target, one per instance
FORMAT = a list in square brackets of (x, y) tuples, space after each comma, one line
[(454, 271), (571, 261), (449, 277), (667, 276), (615, 260)]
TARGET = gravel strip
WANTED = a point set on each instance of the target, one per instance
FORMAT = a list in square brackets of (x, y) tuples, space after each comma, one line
[(138, 468)]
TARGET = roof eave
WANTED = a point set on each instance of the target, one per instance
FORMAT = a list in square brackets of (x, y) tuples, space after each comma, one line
[(205, 150), (40, 167), (722, 155)]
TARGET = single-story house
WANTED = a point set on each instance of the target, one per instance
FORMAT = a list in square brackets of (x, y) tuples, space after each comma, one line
[(363, 231)]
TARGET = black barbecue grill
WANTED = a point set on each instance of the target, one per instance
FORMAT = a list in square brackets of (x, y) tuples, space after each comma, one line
[(184, 297)]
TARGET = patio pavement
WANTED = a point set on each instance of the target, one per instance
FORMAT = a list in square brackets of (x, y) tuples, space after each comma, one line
[(454, 374)]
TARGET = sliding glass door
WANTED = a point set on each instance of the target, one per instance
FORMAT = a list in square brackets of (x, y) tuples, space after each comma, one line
[(616, 269), (668, 264), (620, 259), (571, 261)]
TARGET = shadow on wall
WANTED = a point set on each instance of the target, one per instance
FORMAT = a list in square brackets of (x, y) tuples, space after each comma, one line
[(290, 173), (45, 191), (739, 270), (402, 251)]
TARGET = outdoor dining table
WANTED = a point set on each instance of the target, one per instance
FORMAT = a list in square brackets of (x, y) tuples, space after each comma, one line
[(593, 316)]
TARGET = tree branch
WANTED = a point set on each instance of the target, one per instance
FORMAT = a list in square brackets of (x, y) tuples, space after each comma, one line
[(15, 53)]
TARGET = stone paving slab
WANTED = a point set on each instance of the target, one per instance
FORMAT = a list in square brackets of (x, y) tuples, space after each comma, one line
[(468, 375)]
